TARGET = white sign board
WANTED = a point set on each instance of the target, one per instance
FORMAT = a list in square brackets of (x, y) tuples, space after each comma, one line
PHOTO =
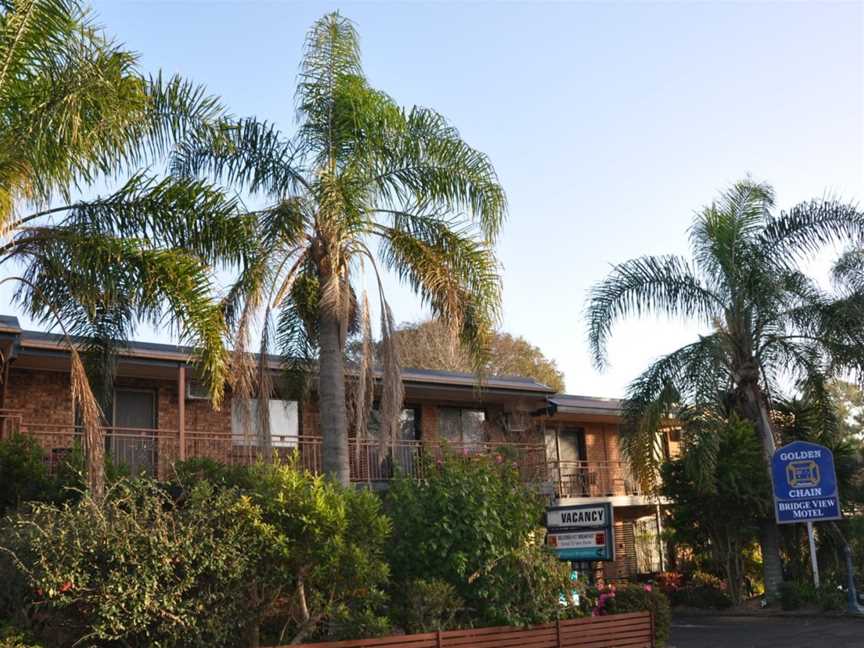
[(583, 516), (578, 540)]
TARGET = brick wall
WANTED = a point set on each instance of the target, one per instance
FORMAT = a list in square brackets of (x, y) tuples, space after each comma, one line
[(42, 396)]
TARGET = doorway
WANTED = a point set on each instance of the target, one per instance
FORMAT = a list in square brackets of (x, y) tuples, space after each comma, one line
[(134, 410), (572, 452)]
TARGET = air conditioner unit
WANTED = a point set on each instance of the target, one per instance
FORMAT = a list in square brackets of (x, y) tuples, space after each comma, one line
[(196, 390)]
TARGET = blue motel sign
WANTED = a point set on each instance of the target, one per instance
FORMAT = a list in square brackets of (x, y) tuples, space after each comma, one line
[(805, 484)]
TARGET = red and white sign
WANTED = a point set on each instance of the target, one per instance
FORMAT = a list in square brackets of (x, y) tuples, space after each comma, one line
[(578, 540)]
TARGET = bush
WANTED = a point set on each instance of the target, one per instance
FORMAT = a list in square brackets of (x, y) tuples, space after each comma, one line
[(473, 524), (636, 598), (705, 597), (192, 471), (793, 595), (12, 637), (24, 474), (137, 571), (831, 598), (328, 562), (428, 605)]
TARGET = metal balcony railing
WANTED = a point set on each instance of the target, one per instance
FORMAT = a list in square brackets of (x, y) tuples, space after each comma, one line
[(154, 452)]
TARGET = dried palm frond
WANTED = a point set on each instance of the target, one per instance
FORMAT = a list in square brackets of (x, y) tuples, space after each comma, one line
[(392, 389)]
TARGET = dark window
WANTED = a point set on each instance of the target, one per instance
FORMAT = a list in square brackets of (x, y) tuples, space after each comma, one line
[(462, 426), (409, 424)]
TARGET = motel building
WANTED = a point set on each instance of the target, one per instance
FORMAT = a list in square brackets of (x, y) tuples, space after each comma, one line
[(566, 446)]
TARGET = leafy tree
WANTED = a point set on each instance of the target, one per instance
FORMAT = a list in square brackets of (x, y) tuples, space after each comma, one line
[(472, 523), (718, 514), (848, 398), (769, 321), (429, 345), (75, 110), (359, 170)]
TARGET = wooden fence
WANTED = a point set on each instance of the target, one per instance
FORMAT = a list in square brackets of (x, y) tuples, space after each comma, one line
[(634, 630)]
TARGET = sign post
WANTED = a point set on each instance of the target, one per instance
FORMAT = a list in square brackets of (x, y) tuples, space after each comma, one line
[(812, 539), (584, 532), (805, 489)]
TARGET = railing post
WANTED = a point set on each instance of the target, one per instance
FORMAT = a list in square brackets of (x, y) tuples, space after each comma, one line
[(439, 640), (181, 412), (558, 633)]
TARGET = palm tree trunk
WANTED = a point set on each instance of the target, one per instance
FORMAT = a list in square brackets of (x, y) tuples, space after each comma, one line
[(331, 399), (756, 411)]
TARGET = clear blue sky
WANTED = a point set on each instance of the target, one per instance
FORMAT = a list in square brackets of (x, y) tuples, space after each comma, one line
[(609, 124)]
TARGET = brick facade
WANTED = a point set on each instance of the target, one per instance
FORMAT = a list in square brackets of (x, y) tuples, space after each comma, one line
[(43, 396), (44, 399)]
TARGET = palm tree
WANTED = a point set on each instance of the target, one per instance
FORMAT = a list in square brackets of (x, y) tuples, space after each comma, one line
[(770, 324), (74, 111), (358, 170)]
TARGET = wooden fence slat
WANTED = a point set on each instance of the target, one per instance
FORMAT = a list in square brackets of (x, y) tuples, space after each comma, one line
[(630, 630), (507, 639)]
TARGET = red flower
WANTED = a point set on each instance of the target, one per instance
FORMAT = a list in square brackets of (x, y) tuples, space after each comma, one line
[(65, 587)]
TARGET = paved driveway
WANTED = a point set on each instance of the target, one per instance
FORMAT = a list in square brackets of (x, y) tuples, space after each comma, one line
[(766, 632)]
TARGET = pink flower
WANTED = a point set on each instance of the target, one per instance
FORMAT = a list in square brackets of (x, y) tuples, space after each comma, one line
[(498, 458), (648, 587)]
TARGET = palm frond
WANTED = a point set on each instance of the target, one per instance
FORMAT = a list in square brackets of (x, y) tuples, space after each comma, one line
[(249, 154), (455, 274), (97, 273), (332, 55), (722, 234), (685, 380), (847, 272), (425, 161), (809, 226), (666, 285), (169, 213)]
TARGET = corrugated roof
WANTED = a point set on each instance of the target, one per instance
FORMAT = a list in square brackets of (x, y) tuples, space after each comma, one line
[(175, 353), (576, 404), (9, 323)]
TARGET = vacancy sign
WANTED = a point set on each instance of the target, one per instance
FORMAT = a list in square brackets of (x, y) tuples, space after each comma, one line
[(581, 532)]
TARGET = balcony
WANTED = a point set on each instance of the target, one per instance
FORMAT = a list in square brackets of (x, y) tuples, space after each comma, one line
[(154, 452), (592, 479)]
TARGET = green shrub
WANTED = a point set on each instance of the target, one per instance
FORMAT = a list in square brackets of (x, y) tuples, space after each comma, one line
[(329, 552), (428, 605), (472, 523), (793, 595), (12, 637), (705, 597), (191, 471), (24, 473), (831, 598), (636, 598), (137, 571)]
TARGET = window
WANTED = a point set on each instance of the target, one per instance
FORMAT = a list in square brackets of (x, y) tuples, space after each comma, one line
[(408, 424), (462, 426), (245, 428)]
